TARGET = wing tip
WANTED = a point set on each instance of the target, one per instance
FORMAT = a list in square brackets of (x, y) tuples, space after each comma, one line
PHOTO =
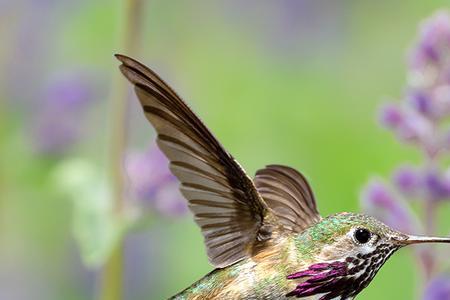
[(128, 69), (118, 56), (123, 58), (139, 74), (128, 63)]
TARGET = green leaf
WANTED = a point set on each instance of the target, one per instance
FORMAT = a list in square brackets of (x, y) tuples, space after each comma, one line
[(96, 226)]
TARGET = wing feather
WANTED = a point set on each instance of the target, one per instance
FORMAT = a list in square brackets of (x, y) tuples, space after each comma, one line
[(223, 199), (287, 192)]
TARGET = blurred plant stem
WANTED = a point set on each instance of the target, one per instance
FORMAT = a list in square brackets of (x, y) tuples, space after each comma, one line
[(112, 278), (428, 257)]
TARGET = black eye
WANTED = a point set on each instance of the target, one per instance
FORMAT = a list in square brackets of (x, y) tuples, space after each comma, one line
[(362, 235)]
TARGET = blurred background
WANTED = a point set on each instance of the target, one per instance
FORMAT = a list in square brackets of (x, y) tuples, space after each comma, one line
[(289, 82)]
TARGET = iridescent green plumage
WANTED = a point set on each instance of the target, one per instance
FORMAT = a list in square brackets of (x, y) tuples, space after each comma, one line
[(264, 236), (294, 253)]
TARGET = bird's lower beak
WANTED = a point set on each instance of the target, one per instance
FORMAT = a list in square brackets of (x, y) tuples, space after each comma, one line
[(413, 239)]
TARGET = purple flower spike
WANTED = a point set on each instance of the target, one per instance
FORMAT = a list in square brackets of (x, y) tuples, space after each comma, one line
[(379, 201), (438, 288), (407, 179), (420, 118)]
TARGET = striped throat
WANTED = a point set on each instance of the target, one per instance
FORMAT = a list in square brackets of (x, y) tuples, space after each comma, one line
[(341, 279)]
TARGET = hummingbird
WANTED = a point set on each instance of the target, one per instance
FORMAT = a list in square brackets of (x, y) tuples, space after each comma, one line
[(264, 236)]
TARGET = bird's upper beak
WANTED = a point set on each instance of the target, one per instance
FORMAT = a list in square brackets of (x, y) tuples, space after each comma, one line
[(414, 239)]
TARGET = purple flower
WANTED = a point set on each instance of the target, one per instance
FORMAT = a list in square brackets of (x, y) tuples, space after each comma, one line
[(407, 124), (169, 201), (438, 288), (148, 171), (437, 185), (421, 102), (152, 183), (379, 201), (59, 118), (69, 91), (434, 41), (391, 116), (441, 100), (445, 139), (407, 179), (414, 128)]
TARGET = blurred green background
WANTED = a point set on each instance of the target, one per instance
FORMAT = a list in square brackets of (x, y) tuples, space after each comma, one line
[(288, 82)]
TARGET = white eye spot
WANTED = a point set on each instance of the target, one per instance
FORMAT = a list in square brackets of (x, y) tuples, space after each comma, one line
[(363, 239)]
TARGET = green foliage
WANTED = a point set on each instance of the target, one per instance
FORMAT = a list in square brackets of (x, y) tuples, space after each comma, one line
[(96, 226)]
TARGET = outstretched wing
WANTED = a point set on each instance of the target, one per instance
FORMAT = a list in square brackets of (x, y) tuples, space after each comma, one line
[(223, 199), (289, 195)]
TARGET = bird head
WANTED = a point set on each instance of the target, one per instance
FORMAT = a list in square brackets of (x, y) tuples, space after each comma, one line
[(345, 252)]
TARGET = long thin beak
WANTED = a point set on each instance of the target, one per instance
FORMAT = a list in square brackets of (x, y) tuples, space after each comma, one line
[(414, 239)]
